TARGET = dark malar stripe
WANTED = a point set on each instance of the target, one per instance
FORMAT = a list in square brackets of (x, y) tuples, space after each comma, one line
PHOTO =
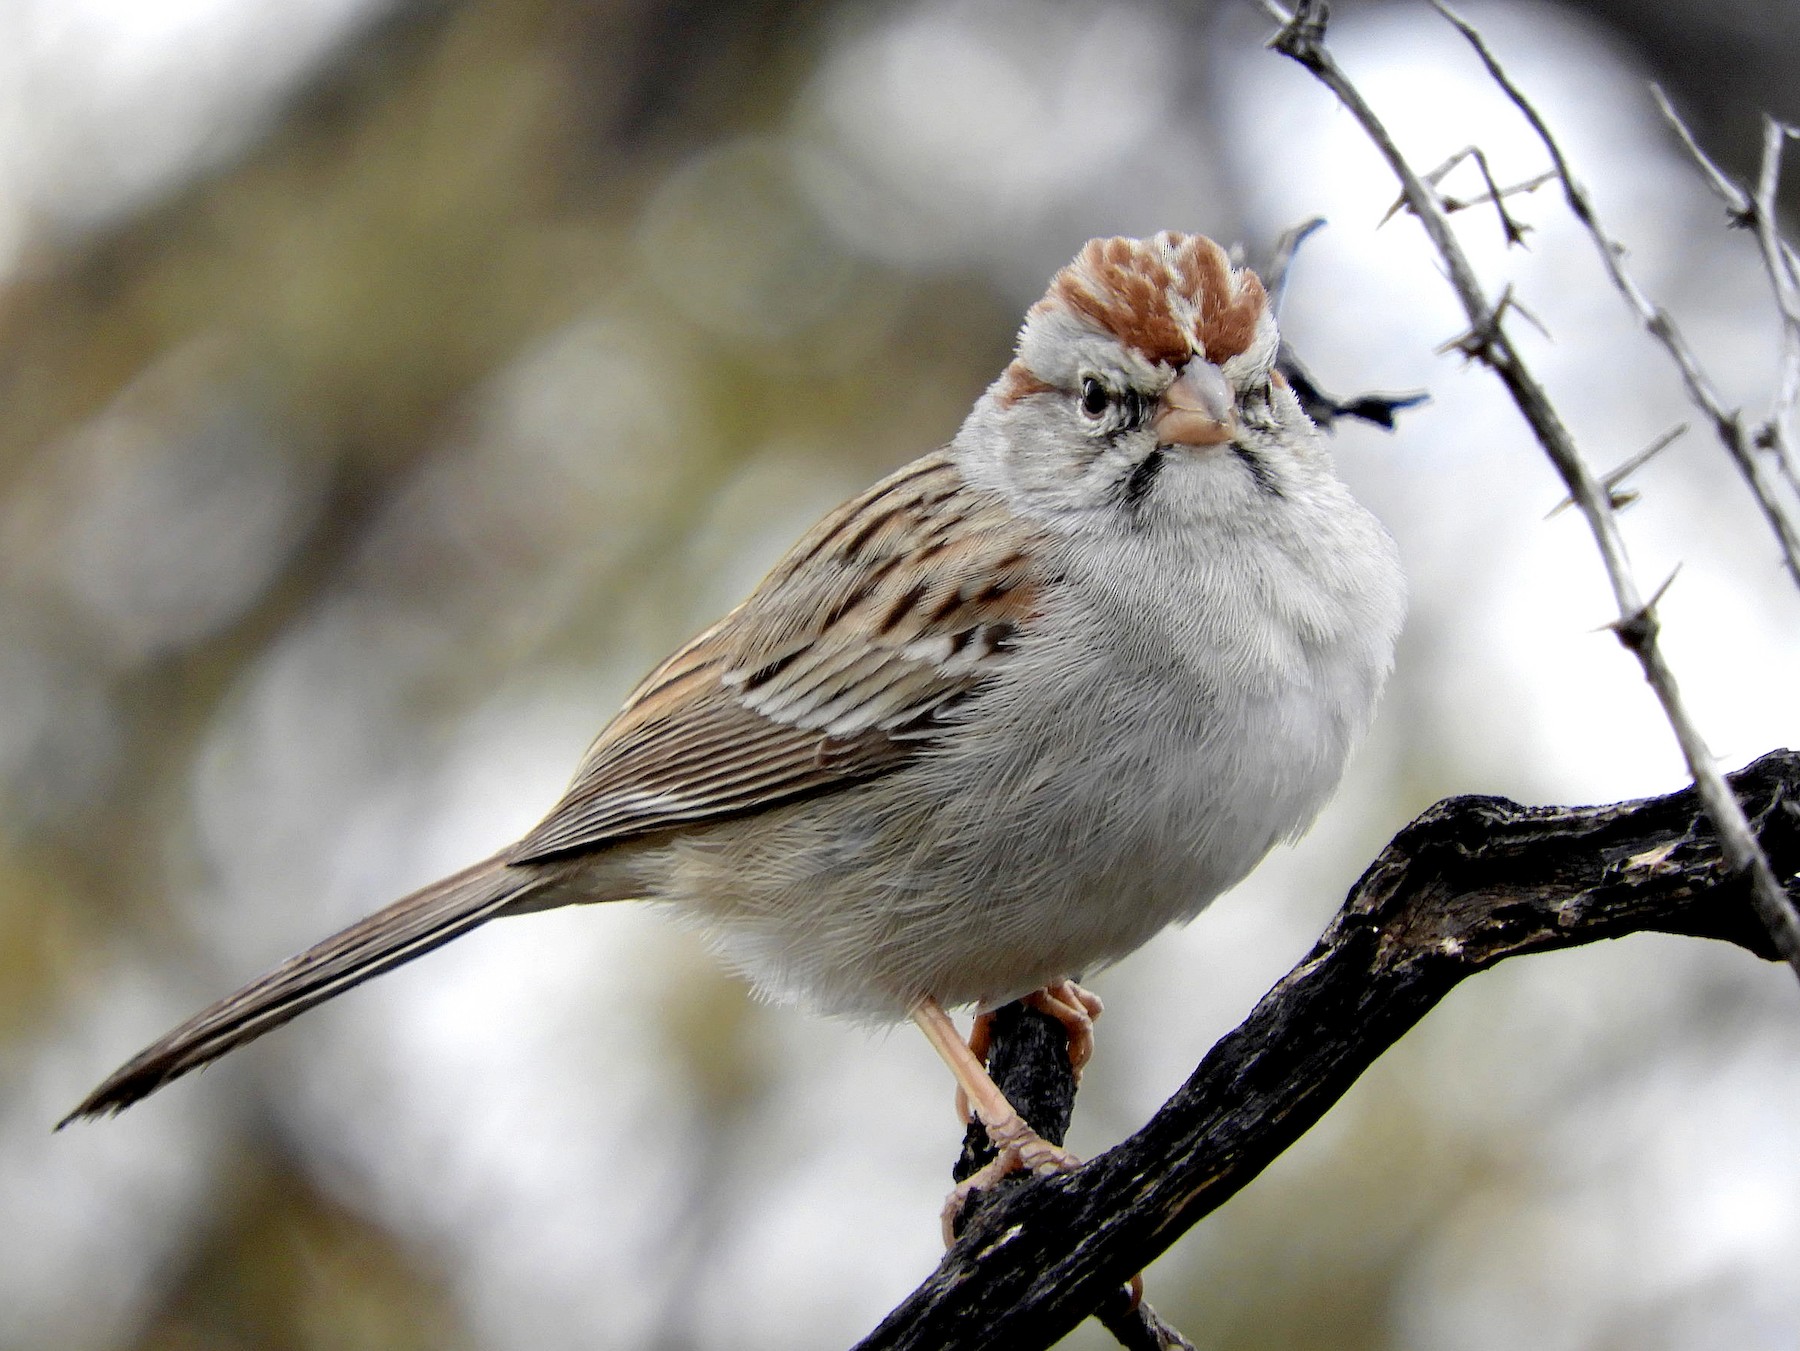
[(1141, 479), (1259, 469)]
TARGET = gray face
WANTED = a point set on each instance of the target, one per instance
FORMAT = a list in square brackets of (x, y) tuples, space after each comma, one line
[(1085, 424)]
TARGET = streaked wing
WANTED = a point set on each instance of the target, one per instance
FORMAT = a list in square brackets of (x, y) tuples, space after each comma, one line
[(838, 667)]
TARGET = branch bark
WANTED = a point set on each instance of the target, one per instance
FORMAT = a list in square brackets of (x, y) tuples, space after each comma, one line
[(1471, 882)]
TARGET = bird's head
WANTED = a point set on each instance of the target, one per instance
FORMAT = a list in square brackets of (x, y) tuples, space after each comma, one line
[(1148, 364)]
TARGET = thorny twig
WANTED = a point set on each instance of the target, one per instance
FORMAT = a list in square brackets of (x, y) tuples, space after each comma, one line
[(1281, 262), (1784, 281), (1302, 38), (1513, 228), (1758, 213), (1738, 442), (1327, 409), (1779, 261)]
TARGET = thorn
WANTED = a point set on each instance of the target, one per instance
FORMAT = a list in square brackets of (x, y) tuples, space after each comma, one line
[(1430, 179), (1514, 228), (1638, 631), (1528, 316), (1612, 480), (1663, 590), (1477, 341)]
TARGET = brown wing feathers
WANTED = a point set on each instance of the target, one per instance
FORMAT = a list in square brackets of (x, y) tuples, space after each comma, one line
[(887, 611)]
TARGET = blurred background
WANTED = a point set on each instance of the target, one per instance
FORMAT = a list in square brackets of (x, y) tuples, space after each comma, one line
[(385, 385)]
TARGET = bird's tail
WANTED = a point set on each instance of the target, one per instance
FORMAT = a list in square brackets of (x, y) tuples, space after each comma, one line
[(409, 927)]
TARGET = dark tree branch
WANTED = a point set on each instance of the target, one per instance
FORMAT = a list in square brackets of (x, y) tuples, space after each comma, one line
[(1029, 1059), (1473, 881), (1328, 409)]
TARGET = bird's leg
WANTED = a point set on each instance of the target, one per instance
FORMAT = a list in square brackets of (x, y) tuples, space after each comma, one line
[(1005, 1127), (1017, 1144), (981, 1041), (1073, 1007)]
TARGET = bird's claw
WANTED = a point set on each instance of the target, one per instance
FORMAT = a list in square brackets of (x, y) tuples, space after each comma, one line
[(1029, 1153)]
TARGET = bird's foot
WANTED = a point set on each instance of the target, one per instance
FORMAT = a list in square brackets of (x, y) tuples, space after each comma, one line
[(1020, 1149), (1076, 1009), (1071, 1005)]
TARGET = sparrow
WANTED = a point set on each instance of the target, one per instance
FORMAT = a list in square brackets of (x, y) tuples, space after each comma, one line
[(988, 726)]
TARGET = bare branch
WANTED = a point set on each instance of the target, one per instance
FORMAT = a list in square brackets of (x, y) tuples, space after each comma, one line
[(1327, 410), (1472, 882), (1757, 213), (1737, 202), (1143, 1329), (1661, 326), (1513, 228), (1778, 262), (1302, 39), (1028, 1057)]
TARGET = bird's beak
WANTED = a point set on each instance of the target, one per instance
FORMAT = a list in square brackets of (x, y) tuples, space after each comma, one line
[(1197, 410)]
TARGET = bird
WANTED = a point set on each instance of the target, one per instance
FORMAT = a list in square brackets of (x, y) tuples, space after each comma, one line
[(987, 727)]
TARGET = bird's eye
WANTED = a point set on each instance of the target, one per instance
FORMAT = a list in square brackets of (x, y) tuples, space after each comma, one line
[(1094, 398)]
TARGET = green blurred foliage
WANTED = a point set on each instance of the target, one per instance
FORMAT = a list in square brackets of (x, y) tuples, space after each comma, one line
[(286, 1270)]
